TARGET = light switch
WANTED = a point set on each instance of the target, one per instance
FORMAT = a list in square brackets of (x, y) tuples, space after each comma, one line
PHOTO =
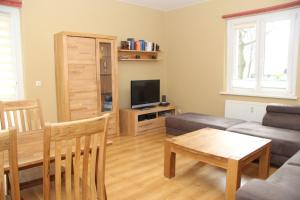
[(38, 83)]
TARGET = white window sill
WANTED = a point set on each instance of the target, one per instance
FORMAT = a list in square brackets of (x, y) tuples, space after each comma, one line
[(259, 95)]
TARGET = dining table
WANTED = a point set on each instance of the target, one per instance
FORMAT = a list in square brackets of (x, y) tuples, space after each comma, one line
[(30, 150)]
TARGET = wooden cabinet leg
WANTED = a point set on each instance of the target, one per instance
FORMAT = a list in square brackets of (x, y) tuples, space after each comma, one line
[(233, 179), (264, 163), (170, 158)]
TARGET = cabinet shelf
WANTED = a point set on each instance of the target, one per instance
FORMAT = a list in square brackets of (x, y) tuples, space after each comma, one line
[(105, 74)]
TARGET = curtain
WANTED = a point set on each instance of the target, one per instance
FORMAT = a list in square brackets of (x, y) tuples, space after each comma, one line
[(12, 3)]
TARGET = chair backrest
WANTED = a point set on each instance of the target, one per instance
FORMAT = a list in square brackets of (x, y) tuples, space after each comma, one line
[(24, 115), (8, 144), (85, 142)]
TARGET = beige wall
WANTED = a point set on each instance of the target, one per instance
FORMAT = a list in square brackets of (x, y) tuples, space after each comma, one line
[(41, 19), (196, 52), (193, 40)]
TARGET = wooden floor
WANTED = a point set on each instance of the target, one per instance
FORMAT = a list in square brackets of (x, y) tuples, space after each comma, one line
[(135, 171)]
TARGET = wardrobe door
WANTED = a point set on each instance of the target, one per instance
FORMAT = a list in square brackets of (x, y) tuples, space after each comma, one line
[(82, 77)]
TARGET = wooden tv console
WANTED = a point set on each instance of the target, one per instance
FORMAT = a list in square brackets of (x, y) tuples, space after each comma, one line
[(136, 122)]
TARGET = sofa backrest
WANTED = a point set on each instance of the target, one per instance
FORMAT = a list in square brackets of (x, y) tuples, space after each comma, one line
[(282, 116)]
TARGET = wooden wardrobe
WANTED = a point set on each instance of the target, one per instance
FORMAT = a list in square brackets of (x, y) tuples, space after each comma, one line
[(86, 77)]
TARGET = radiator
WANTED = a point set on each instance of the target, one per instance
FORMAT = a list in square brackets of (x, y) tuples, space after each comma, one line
[(245, 110)]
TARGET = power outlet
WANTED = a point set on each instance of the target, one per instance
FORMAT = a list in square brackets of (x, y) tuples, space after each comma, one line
[(38, 83)]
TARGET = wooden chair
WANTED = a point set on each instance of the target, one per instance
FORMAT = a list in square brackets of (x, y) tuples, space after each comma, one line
[(8, 142), (85, 142), (24, 115)]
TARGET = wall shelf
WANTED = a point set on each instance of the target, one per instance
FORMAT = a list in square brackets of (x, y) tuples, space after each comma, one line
[(138, 59), (134, 55)]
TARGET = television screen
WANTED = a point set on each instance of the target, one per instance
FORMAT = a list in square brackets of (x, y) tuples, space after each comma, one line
[(145, 93)]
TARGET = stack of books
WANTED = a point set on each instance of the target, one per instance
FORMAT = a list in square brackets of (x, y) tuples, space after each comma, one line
[(139, 45)]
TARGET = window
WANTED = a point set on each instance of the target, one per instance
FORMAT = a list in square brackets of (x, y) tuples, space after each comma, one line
[(263, 54), (11, 84)]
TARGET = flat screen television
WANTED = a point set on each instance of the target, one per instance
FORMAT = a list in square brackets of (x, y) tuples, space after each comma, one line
[(145, 93)]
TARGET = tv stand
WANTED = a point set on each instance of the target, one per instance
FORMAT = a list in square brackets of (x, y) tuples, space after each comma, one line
[(144, 108), (137, 121)]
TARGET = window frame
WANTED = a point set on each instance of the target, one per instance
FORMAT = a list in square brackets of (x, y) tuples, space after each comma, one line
[(17, 48), (260, 21)]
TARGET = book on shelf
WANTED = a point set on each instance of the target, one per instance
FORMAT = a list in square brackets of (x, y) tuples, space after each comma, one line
[(139, 45)]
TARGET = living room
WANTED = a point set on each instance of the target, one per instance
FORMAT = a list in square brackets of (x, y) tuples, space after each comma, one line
[(194, 67)]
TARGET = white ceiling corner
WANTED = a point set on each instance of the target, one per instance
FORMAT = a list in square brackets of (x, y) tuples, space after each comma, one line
[(165, 5)]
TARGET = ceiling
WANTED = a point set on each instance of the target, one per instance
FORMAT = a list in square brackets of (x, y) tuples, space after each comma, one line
[(164, 5)]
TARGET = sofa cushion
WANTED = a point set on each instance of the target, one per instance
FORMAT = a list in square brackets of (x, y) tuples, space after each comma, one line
[(263, 190), (284, 142), (295, 160), (283, 184), (194, 121), (282, 120), (279, 108), (287, 175)]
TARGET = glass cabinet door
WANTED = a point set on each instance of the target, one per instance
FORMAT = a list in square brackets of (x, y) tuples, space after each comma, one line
[(106, 62)]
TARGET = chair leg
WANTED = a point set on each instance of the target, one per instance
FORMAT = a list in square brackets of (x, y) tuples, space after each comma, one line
[(105, 192), (7, 184)]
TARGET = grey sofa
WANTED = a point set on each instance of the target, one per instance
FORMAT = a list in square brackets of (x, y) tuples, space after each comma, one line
[(284, 184), (188, 122), (280, 124)]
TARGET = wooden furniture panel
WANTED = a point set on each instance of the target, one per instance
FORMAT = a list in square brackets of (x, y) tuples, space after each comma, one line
[(82, 85), (82, 72), (81, 50), (130, 124), (86, 77), (83, 113), (8, 145), (112, 123), (83, 104), (150, 124), (227, 150)]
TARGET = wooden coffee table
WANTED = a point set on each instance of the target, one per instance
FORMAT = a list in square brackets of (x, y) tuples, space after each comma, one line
[(227, 150)]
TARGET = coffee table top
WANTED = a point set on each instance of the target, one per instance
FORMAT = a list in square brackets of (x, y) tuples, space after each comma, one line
[(218, 143)]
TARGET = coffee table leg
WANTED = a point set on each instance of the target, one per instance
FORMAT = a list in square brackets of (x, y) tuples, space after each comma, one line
[(170, 158), (264, 163), (233, 179)]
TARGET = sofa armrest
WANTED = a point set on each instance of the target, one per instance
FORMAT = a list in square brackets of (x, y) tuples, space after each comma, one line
[(264, 190)]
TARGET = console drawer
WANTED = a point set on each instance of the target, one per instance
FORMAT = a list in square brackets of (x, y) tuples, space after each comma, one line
[(150, 124)]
